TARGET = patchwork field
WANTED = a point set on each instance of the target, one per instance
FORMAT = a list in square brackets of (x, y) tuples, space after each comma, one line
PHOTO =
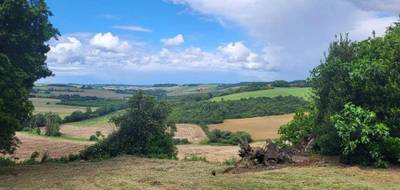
[(193, 133), (129, 172), (43, 105), (292, 91), (260, 128)]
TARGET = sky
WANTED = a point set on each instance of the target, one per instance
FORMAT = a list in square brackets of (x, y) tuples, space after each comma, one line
[(203, 41)]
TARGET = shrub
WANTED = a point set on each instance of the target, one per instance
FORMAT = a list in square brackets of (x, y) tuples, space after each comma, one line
[(298, 129), (361, 136), (93, 138), (143, 130), (231, 161), (6, 162), (181, 141), (38, 120), (226, 137), (53, 122)]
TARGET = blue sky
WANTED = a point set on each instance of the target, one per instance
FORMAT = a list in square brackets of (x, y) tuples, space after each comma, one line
[(202, 41)]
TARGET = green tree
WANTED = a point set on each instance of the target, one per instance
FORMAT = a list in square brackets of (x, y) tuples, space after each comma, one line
[(53, 122), (24, 29), (144, 129)]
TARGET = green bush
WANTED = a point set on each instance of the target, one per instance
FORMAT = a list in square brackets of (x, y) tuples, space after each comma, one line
[(231, 161), (142, 130), (181, 141), (226, 137), (93, 138), (6, 162), (298, 129), (361, 136)]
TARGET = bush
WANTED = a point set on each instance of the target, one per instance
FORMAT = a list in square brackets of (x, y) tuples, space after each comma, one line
[(361, 136), (298, 129), (6, 162), (93, 138), (53, 122), (38, 120), (226, 137), (143, 130), (231, 161), (181, 141)]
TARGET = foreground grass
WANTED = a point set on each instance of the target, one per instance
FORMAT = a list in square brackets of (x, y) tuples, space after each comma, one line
[(138, 173), (293, 91)]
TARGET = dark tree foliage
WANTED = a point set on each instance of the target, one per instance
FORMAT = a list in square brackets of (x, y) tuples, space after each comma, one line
[(143, 130), (356, 100), (206, 112), (24, 29)]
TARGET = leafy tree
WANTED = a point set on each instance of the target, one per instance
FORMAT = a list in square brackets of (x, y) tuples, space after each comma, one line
[(361, 135), (24, 29), (298, 129), (144, 129), (53, 122)]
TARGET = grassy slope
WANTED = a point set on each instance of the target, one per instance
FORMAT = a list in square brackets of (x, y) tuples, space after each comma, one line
[(43, 105), (138, 173), (300, 92), (97, 121)]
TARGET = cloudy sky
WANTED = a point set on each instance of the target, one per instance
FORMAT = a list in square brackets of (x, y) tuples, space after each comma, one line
[(203, 41)]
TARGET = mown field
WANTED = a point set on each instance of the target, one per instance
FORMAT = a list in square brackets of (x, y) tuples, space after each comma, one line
[(260, 128), (129, 172), (43, 105), (290, 91)]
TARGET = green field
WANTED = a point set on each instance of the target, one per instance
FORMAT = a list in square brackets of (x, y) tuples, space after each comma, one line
[(44, 105), (97, 121), (293, 91)]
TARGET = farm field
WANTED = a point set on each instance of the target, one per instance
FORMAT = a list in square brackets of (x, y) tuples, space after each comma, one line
[(289, 91), (128, 172), (43, 105), (260, 128)]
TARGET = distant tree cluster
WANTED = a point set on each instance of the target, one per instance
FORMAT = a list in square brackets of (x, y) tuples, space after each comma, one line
[(24, 29), (206, 112), (356, 107)]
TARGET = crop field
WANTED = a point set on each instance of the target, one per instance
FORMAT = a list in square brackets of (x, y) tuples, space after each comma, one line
[(260, 128), (43, 105), (292, 91), (129, 172)]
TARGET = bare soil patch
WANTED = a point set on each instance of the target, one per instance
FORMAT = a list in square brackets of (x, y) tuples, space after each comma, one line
[(260, 128), (193, 133)]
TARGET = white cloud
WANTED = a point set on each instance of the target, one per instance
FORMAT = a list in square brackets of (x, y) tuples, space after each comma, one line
[(174, 41), (133, 28), (297, 32), (110, 42)]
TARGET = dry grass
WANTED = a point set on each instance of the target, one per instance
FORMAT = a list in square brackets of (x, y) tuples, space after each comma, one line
[(138, 173), (193, 133), (211, 153), (56, 147), (85, 132), (260, 128)]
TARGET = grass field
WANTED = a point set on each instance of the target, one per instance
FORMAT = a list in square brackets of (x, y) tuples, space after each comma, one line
[(128, 172), (300, 92), (43, 105), (260, 128)]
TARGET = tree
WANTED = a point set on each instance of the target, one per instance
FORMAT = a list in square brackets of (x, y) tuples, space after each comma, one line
[(144, 129), (24, 29), (53, 122)]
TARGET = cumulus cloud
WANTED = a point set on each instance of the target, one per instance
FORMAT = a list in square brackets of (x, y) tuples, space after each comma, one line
[(133, 28), (96, 53), (174, 41), (109, 42), (297, 32)]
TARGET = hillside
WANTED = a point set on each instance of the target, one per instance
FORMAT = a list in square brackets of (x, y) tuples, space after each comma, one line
[(129, 172), (284, 91)]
